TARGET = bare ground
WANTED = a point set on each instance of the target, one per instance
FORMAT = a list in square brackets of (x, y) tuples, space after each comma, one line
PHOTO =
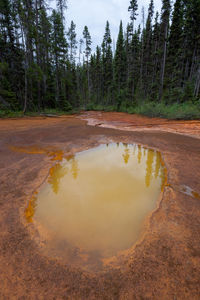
[(164, 263)]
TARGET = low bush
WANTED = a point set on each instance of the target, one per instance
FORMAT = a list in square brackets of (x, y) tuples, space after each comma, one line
[(176, 111), (185, 111)]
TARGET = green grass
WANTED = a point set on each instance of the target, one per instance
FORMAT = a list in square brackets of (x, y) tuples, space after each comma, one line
[(11, 114), (185, 111), (100, 107), (20, 114)]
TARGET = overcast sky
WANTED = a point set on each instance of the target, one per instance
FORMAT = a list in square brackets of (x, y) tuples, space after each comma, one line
[(95, 13)]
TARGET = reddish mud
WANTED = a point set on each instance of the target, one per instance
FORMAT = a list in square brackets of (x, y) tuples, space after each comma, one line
[(130, 122), (163, 264)]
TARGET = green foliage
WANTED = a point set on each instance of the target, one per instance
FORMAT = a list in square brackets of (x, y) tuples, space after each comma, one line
[(98, 107), (120, 61), (188, 92), (10, 99), (185, 111), (67, 106), (88, 42)]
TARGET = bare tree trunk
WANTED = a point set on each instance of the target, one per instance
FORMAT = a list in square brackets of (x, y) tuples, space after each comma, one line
[(192, 69), (197, 84), (155, 64), (25, 90), (186, 70), (142, 62), (25, 72), (88, 78), (38, 57)]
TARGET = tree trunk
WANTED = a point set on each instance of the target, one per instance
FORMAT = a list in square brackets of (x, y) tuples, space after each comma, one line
[(25, 90), (197, 84)]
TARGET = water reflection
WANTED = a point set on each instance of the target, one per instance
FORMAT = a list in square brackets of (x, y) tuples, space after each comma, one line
[(149, 169), (57, 172), (74, 168), (70, 165), (139, 154), (30, 210), (158, 165), (95, 202), (126, 154)]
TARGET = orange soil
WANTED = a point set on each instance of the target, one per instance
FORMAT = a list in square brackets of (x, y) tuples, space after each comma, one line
[(164, 263)]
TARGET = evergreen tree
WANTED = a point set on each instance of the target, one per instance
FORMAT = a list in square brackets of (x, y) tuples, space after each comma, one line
[(133, 7), (192, 44), (59, 51), (72, 42), (176, 50), (147, 56), (107, 58), (155, 58), (98, 72), (120, 66), (164, 30), (11, 68), (88, 42), (61, 6)]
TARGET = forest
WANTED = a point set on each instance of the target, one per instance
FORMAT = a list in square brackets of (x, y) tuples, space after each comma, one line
[(153, 69)]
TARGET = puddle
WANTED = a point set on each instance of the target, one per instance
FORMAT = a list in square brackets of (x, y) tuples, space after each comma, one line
[(94, 203)]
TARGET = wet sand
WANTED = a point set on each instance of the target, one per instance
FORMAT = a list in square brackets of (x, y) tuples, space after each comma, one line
[(165, 261)]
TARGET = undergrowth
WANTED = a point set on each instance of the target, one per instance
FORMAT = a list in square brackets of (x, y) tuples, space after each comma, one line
[(176, 111), (185, 111), (46, 112)]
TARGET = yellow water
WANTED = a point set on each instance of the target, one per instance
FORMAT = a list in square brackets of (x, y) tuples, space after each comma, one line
[(95, 202)]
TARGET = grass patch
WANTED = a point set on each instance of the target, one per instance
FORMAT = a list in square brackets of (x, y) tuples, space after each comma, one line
[(46, 112), (100, 107), (185, 111)]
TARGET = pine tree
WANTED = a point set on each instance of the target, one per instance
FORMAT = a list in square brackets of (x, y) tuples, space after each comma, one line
[(88, 42), (98, 72), (120, 67), (155, 58), (147, 56), (11, 68), (192, 44), (164, 30), (59, 53), (107, 58), (61, 6), (72, 42), (176, 51), (133, 7)]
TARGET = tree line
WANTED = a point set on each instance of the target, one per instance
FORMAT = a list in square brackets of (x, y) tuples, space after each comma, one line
[(43, 65)]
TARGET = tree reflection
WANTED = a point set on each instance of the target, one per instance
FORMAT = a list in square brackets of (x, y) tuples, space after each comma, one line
[(157, 166), (57, 172), (74, 168), (126, 154), (149, 169), (139, 154), (30, 210)]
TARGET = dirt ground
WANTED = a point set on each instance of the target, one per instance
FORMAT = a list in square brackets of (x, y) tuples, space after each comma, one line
[(163, 264)]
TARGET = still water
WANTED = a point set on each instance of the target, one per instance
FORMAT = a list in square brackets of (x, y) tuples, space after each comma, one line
[(95, 202)]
